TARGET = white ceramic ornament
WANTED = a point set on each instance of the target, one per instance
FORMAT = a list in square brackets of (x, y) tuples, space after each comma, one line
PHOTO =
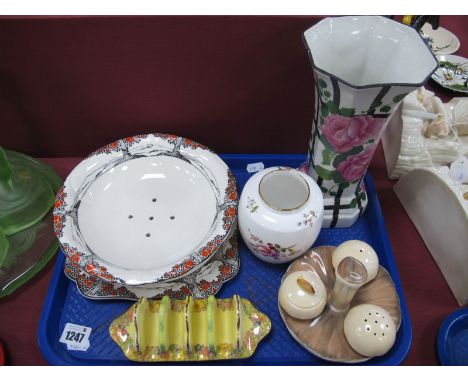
[(437, 204), (361, 251), (280, 214), (457, 109), (424, 132), (369, 330), (303, 295)]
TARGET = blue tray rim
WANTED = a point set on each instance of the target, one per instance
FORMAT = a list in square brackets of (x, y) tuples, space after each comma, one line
[(443, 331)]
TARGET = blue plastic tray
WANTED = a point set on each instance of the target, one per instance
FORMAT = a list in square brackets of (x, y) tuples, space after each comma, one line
[(256, 280), (452, 341)]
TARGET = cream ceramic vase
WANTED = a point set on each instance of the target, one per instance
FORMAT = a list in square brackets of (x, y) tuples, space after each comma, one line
[(363, 67), (280, 214)]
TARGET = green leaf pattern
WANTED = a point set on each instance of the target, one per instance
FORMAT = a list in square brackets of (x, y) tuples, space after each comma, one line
[(251, 205)]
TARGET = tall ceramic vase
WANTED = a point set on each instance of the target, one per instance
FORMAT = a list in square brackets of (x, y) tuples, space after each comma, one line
[(363, 67)]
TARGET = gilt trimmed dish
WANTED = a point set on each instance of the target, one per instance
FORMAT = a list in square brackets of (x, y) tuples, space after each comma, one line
[(190, 329)]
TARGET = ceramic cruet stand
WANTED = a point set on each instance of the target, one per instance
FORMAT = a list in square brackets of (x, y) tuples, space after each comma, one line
[(352, 282), (363, 67)]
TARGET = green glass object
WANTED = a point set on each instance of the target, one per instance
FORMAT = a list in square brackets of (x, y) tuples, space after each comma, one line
[(4, 245), (26, 192), (27, 240)]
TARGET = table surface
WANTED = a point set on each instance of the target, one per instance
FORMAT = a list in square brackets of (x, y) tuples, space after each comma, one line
[(427, 294)]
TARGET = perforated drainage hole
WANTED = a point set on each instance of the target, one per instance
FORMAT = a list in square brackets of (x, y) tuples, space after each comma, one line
[(130, 216), (154, 199), (148, 235), (172, 217), (151, 218)]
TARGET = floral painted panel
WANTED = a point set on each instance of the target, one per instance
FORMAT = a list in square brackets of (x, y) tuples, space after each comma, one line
[(347, 128), (272, 250)]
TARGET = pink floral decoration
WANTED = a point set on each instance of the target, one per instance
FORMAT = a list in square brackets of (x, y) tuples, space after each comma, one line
[(345, 133), (267, 250), (354, 166), (304, 167)]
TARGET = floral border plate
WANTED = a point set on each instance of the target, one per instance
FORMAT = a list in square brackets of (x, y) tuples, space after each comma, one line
[(452, 73), (190, 329), (73, 215), (203, 282)]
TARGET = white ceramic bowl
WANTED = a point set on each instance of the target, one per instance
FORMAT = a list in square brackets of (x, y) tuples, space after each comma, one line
[(146, 209), (280, 214)]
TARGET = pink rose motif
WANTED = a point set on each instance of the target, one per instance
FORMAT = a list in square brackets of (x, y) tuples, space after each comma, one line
[(344, 133), (354, 166), (304, 167), (266, 250)]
